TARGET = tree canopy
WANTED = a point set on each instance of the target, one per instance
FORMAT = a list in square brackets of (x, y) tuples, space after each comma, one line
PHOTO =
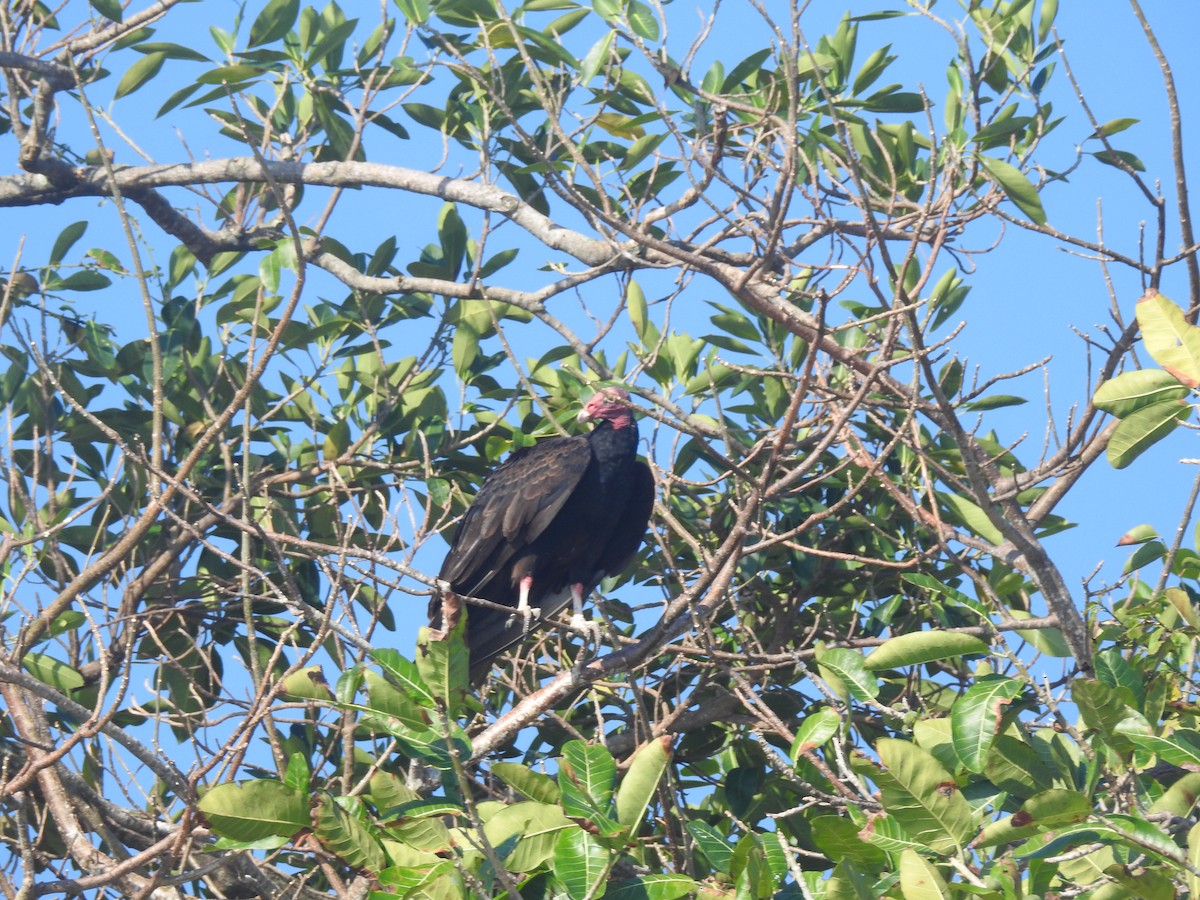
[(314, 271)]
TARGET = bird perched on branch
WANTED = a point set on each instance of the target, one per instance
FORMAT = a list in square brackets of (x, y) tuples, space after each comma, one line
[(547, 525)]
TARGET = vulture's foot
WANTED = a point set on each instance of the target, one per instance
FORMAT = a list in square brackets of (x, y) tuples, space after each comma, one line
[(588, 629), (527, 615), (524, 610)]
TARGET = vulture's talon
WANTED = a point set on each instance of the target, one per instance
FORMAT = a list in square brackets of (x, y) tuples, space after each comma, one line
[(586, 628), (527, 614)]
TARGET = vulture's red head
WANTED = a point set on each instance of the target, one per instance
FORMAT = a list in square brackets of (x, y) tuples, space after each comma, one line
[(609, 403)]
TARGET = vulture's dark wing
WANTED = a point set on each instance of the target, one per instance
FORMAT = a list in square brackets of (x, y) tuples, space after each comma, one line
[(517, 502), (630, 528)]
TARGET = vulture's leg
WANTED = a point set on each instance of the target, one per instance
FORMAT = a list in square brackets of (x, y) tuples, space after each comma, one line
[(527, 612), (579, 624)]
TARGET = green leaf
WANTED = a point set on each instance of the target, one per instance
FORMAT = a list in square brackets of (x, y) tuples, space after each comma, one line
[(591, 769), (533, 785), (464, 350), (229, 75), (497, 262), (995, 401), (1131, 391), (110, 9), (941, 589), (1180, 798), (635, 303), (385, 700), (641, 780), (814, 731), (999, 132), (1018, 188), (307, 683), (921, 647), (1049, 641), (65, 241), (1113, 126), (172, 51), (919, 878), (1120, 674), (749, 868), (581, 863), (106, 260), (1182, 601), (749, 67), (526, 834), (86, 280), (844, 669), (1099, 705), (1120, 159), (1146, 835), (923, 797), (332, 44), (1193, 857), (1046, 18), (416, 11), (640, 149), (848, 883), (177, 97), (269, 270), (1174, 344), (713, 78), (444, 665), (1142, 429), (1138, 534), (652, 887), (874, 67), (597, 58), (1042, 812), (1180, 748), (138, 74), (452, 234), (642, 20), (975, 718), (53, 672), (68, 621), (343, 833), (608, 10), (275, 21), (891, 101), (974, 518), (255, 809), (840, 839), (404, 673), (715, 848), (566, 22)]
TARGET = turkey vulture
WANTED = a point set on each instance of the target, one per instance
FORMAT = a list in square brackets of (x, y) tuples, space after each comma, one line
[(547, 525)]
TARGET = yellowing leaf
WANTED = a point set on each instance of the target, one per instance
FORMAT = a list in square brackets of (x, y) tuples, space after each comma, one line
[(919, 878), (1174, 344), (922, 647), (618, 126), (641, 781)]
